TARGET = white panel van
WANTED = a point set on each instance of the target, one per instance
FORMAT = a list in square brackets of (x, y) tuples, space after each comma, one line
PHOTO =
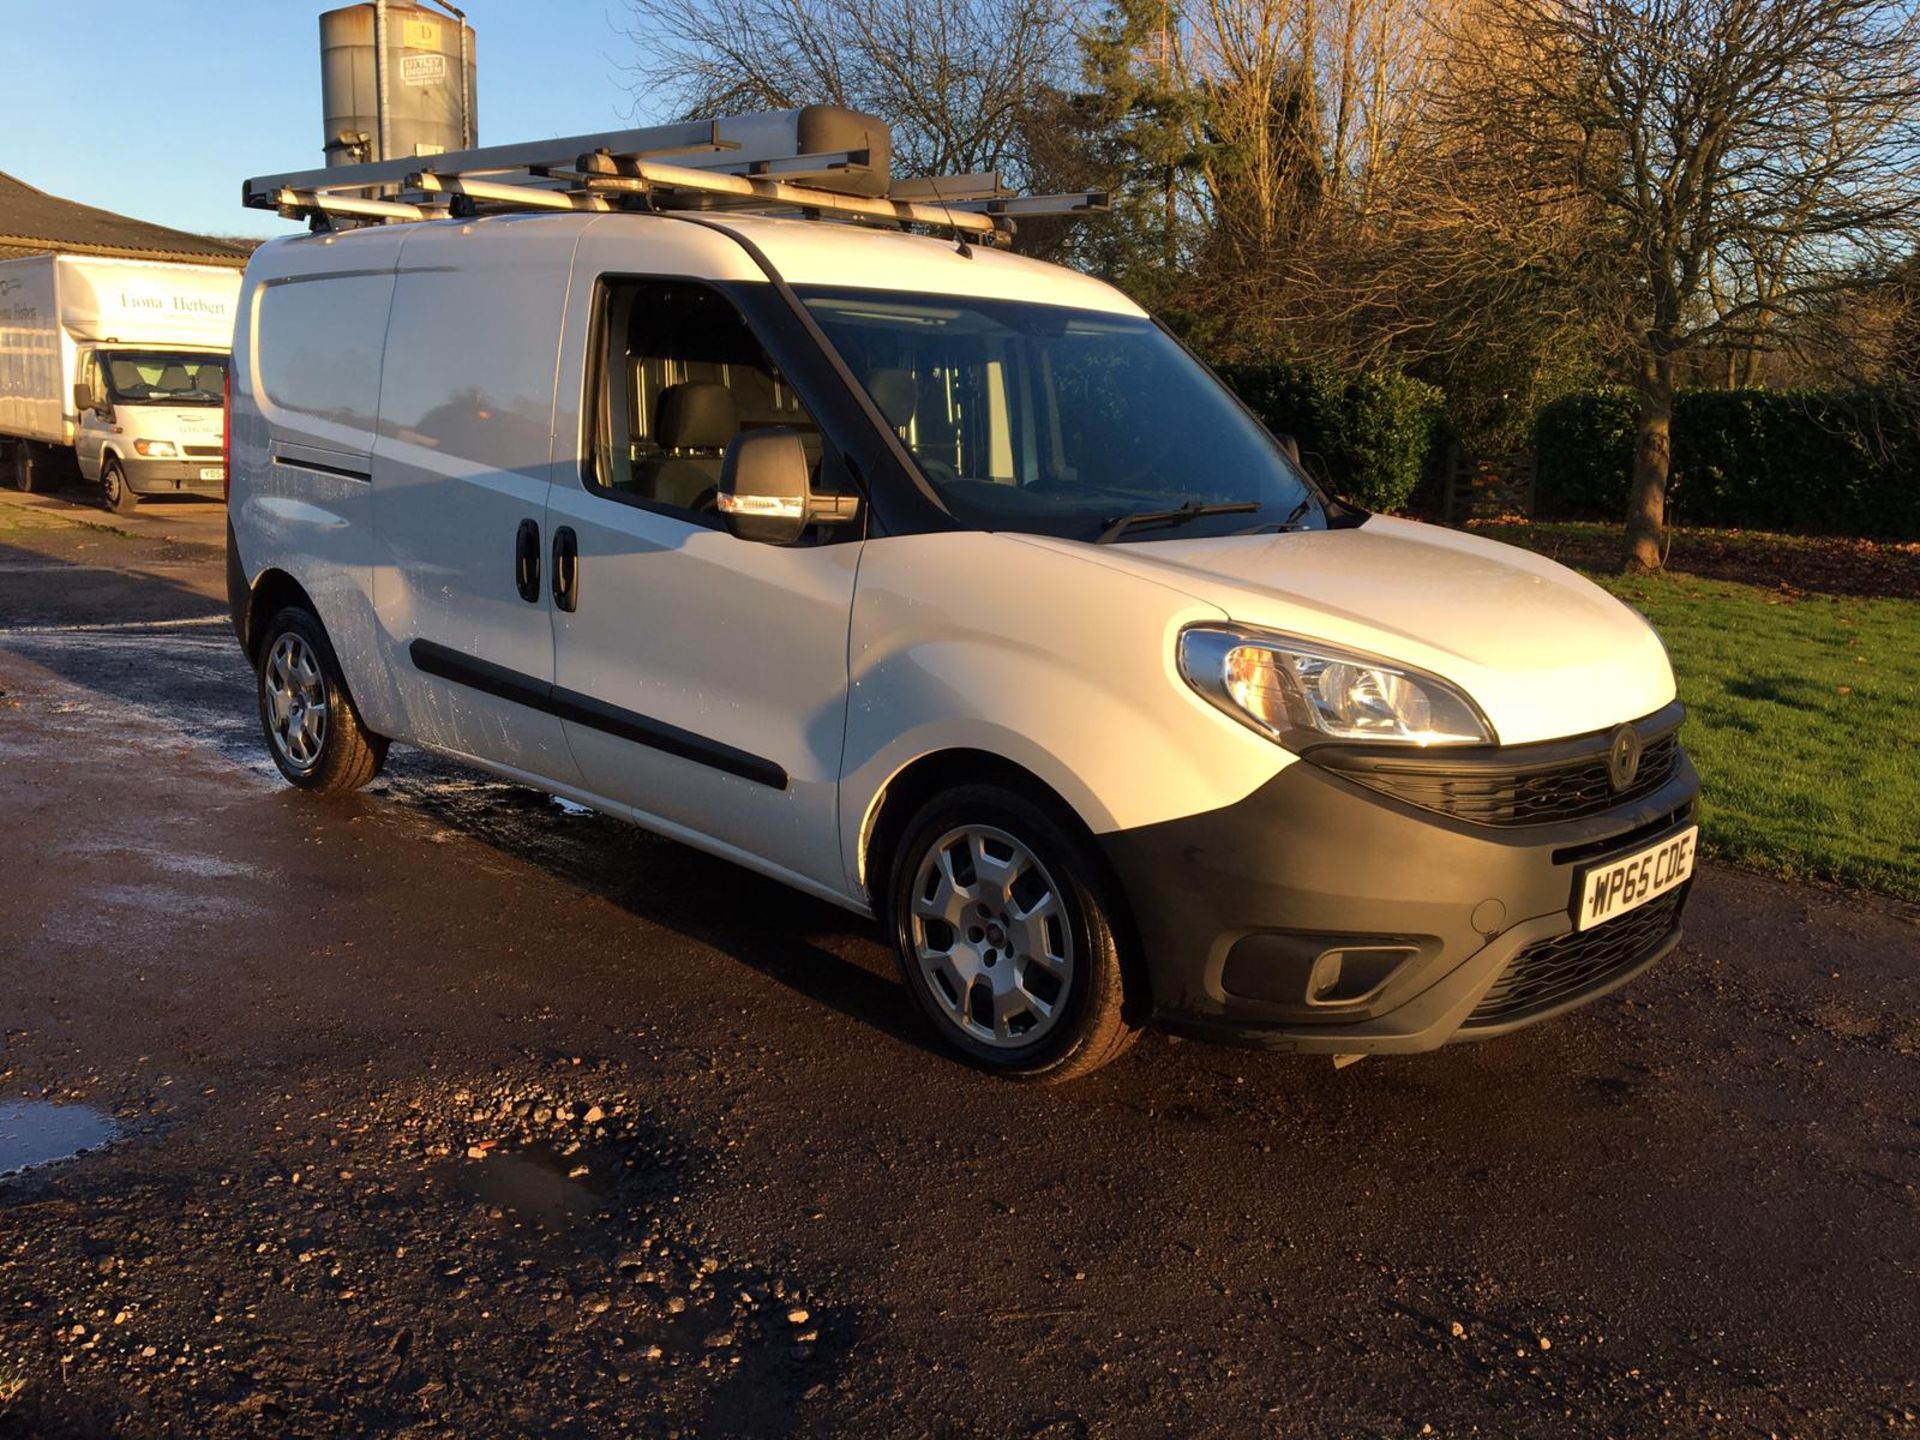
[(945, 585)]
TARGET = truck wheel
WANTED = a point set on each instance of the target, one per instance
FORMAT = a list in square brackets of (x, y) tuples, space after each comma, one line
[(114, 492), (26, 470), (1006, 937), (313, 732)]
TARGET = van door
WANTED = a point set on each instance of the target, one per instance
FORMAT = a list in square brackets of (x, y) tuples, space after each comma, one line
[(90, 424), (705, 677), (460, 481)]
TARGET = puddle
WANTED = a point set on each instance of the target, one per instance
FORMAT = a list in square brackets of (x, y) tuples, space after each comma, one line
[(33, 1132), (537, 1187)]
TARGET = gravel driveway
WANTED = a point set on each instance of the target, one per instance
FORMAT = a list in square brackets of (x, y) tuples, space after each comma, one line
[(447, 1111)]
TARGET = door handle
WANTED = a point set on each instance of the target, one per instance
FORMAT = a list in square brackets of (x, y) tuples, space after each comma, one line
[(526, 561), (566, 569)]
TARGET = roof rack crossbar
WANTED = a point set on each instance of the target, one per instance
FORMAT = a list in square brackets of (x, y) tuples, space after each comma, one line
[(950, 189), (297, 204), (531, 197), (1077, 202)]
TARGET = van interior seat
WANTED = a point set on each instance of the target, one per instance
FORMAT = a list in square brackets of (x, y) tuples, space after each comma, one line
[(896, 396), (692, 426)]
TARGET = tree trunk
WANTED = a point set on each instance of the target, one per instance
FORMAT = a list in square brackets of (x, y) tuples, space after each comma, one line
[(1652, 460)]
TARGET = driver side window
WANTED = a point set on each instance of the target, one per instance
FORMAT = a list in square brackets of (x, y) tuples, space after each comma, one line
[(680, 374)]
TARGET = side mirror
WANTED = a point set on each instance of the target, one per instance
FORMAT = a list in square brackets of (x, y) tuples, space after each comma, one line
[(82, 398), (765, 492), (1292, 447)]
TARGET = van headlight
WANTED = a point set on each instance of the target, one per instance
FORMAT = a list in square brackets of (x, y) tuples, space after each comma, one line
[(1300, 692), (155, 449)]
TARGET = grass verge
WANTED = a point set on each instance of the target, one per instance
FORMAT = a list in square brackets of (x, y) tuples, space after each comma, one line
[(1804, 721)]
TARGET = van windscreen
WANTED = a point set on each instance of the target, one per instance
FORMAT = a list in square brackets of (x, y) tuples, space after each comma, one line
[(164, 377), (1057, 421)]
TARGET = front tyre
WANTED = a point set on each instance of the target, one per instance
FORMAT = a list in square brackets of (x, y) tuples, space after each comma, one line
[(313, 732), (115, 493), (1006, 937)]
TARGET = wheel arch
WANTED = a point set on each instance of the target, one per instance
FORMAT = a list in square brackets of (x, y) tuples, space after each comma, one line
[(271, 592), (916, 782)]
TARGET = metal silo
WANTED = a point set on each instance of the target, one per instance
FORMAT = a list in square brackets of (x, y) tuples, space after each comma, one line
[(423, 103)]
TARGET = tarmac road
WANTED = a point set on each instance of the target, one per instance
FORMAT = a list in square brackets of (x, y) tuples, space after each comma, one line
[(724, 1187)]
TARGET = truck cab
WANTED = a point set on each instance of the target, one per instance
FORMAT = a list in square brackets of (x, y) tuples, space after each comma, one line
[(149, 421)]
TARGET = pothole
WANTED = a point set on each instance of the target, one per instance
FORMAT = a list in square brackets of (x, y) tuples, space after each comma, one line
[(539, 1187), (35, 1133)]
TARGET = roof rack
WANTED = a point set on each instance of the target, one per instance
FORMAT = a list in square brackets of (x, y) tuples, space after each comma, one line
[(819, 162)]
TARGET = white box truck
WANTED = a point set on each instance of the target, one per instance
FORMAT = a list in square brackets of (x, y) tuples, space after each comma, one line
[(116, 369)]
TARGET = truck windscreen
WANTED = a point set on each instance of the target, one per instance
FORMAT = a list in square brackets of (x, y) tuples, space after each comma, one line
[(163, 377)]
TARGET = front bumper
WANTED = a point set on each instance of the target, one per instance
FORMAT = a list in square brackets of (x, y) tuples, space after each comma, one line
[(172, 477), (1321, 916)]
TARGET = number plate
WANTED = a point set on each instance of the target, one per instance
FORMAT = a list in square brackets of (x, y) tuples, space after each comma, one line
[(213, 472), (1612, 889)]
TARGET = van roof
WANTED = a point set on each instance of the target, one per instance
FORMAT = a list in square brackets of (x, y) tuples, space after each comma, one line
[(807, 252), (802, 252)]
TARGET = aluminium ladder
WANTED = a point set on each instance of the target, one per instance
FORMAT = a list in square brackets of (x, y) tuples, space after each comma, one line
[(818, 162)]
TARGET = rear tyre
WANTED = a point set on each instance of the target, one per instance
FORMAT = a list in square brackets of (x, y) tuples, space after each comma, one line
[(27, 475), (1006, 936), (313, 732), (115, 494)]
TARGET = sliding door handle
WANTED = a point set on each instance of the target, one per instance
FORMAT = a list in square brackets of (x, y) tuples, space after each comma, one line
[(526, 561), (566, 569)]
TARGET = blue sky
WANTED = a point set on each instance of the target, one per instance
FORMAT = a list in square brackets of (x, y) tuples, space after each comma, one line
[(160, 108)]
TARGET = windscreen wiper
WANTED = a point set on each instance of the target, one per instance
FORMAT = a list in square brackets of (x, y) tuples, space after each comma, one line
[(1293, 518), (1192, 510)]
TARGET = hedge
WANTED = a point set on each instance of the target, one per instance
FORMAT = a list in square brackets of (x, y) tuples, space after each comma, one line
[(1367, 435), (1814, 462)]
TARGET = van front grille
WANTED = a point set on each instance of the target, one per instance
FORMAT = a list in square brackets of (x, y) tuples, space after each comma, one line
[(1516, 784), (1553, 971), (203, 451)]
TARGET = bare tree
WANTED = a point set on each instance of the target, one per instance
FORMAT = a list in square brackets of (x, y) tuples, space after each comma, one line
[(1298, 117), (954, 78), (1351, 76), (1747, 160)]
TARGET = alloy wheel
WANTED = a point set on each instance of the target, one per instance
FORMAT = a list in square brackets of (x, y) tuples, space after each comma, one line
[(296, 696), (991, 936)]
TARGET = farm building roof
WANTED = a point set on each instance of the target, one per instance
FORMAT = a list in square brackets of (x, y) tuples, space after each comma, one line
[(33, 222)]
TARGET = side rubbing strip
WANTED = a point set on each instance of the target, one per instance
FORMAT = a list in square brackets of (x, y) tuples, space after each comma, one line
[(491, 679), (658, 735), (345, 472), (482, 675)]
